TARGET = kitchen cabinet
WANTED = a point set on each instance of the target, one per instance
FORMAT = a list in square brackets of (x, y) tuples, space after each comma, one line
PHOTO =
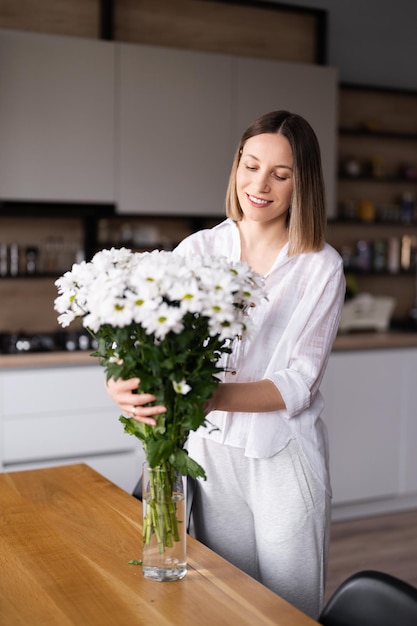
[(408, 460), (54, 416), (174, 147), (56, 118), (181, 115), (370, 412)]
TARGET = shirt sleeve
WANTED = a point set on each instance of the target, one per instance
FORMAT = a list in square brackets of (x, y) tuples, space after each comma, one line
[(313, 329)]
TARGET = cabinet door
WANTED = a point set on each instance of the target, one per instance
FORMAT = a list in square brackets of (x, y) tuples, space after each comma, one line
[(56, 118), (310, 91), (51, 414), (363, 394), (409, 431), (174, 143)]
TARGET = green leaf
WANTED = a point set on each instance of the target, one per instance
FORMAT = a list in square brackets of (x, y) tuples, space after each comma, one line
[(133, 427), (187, 466), (158, 451)]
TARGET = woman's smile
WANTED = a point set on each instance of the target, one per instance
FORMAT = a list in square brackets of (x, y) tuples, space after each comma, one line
[(258, 201)]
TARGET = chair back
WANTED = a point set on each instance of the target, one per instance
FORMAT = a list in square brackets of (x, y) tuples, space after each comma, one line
[(371, 598)]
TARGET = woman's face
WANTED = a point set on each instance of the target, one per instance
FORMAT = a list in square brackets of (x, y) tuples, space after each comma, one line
[(264, 178)]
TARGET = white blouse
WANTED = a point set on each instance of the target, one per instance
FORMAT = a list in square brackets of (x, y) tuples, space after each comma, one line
[(293, 337)]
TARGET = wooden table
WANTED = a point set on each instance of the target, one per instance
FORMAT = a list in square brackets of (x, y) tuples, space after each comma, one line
[(66, 536)]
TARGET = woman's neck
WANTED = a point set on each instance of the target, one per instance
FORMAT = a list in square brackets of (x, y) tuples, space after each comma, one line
[(260, 244)]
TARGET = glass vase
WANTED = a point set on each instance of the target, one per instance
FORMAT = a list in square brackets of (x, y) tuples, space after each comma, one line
[(164, 553)]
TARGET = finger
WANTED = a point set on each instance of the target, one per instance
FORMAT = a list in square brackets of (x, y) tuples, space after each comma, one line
[(123, 385), (146, 414)]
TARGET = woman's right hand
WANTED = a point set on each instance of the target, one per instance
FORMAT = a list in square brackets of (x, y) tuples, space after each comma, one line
[(132, 404)]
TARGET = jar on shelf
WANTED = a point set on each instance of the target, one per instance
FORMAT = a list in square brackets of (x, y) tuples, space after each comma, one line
[(367, 211), (363, 256), (407, 207)]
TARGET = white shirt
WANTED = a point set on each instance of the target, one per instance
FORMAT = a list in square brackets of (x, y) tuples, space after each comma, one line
[(294, 333)]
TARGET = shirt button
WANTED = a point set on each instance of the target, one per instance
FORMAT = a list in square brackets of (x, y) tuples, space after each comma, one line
[(233, 372)]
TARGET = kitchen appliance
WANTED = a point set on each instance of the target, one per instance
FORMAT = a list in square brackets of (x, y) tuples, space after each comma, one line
[(367, 312)]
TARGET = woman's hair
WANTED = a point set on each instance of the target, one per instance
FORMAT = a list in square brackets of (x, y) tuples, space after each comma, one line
[(307, 215)]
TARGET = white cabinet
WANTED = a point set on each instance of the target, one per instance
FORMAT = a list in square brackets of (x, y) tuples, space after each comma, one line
[(152, 129), (181, 115), (309, 90), (371, 414), (174, 146), (53, 416), (56, 118), (408, 461)]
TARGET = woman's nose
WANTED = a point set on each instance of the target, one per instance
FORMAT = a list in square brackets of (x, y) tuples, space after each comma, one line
[(263, 183)]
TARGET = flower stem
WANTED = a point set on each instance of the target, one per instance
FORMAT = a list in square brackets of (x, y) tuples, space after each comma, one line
[(161, 510)]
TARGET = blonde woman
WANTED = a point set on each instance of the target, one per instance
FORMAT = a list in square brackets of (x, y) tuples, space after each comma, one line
[(266, 503)]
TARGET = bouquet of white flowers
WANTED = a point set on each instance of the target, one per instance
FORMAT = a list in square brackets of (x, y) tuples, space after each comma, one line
[(166, 320)]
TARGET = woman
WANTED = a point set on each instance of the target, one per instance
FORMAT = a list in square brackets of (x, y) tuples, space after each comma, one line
[(266, 503)]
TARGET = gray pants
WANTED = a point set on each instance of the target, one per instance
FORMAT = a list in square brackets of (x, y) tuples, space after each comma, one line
[(269, 517)]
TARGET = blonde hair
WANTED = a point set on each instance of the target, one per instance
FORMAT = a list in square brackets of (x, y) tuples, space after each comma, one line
[(307, 214)]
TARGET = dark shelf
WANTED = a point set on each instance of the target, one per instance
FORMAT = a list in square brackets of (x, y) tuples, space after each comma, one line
[(388, 224), (58, 210), (377, 134), (373, 179), (385, 274), (38, 276)]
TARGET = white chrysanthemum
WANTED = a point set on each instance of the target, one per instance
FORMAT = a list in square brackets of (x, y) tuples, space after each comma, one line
[(163, 320), (188, 294), (66, 318), (181, 387), (119, 287)]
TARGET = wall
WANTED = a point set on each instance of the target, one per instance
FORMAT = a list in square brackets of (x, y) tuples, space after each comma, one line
[(213, 26), (371, 42)]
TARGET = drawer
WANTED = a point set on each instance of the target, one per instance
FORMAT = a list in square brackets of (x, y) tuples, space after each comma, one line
[(51, 390), (52, 436)]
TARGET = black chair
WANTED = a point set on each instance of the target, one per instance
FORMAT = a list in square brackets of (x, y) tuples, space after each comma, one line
[(370, 598)]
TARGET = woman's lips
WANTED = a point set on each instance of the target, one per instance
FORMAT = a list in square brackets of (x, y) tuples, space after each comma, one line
[(258, 202)]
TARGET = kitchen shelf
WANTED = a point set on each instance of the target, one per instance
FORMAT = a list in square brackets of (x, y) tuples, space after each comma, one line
[(375, 179), (377, 134), (37, 276), (377, 129)]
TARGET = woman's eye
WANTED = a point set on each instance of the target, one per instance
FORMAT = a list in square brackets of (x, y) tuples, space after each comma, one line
[(279, 177), (251, 168)]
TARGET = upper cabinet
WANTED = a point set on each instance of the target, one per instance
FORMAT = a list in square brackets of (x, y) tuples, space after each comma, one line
[(151, 129), (174, 146), (56, 118), (181, 114)]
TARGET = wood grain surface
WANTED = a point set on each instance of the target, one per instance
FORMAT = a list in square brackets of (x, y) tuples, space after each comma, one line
[(66, 536), (218, 27)]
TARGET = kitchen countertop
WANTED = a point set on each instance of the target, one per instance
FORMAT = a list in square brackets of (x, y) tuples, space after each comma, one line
[(343, 342), (375, 340), (46, 359)]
